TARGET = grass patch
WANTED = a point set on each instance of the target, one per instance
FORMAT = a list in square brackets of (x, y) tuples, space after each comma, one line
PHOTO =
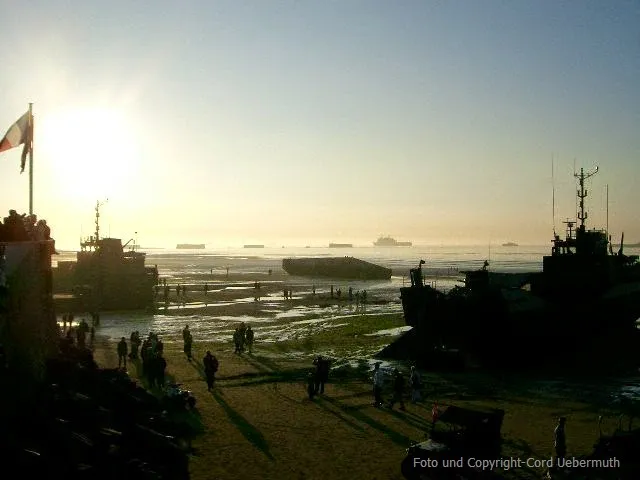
[(343, 340)]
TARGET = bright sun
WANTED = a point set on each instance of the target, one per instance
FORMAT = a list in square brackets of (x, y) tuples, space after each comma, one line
[(90, 151)]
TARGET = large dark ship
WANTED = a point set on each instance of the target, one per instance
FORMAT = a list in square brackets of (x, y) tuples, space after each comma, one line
[(335, 267), (106, 276), (580, 310), (390, 242)]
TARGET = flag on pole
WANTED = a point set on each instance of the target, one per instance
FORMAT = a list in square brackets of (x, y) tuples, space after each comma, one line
[(21, 132)]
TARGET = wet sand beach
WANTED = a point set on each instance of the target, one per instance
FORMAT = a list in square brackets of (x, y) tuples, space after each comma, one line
[(258, 422)]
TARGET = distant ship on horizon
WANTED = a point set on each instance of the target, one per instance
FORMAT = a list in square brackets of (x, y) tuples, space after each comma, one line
[(255, 246), (509, 244), (190, 246), (390, 242), (340, 245)]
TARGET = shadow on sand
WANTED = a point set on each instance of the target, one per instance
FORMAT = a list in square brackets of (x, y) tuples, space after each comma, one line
[(354, 411), (251, 433)]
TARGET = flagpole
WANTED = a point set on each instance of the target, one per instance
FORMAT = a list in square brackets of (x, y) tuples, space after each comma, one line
[(30, 139)]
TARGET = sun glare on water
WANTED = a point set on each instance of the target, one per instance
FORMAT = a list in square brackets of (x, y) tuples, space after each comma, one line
[(91, 152)]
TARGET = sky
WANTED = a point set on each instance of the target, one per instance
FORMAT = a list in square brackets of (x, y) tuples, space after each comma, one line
[(309, 122)]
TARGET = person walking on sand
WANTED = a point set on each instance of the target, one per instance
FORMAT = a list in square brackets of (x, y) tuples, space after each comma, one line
[(249, 337), (398, 389), (185, 332), (122, 353), (378, 382), (415, 382), (210, 363)]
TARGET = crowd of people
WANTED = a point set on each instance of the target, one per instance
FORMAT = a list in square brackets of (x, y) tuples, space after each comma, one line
[(77, 335), (22, 228), (154, 364)]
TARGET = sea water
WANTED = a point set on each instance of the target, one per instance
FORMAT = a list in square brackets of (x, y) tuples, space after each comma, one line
[(444, 267)]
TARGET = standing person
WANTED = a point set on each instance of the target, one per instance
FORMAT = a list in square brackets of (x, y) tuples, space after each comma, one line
[(145, 354), (185, 332), (250, 337), (122, 353), (559, 440), (236, 340), (210, 363), (83, 329), (188, 344), (152, 367), (135, 345), (378, 382), (161, 367), (416, 385), (398, 389), (242, 336), (311, 383), (322, 373)]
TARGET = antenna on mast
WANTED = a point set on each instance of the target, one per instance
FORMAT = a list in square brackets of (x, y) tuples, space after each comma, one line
[(607, 189), (582, 193), (576, 199), (553, 197), (98, 205)]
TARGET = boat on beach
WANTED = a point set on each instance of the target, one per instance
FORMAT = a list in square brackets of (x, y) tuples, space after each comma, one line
[(105, 276), (335, 267), (580, 310), (390, 242)]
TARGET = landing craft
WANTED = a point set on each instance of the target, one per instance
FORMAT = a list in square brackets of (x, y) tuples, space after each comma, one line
[(585, 300), (104, 276)]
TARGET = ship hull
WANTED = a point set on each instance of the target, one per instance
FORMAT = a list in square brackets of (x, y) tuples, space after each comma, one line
[(109, 292), (335, 267), (107, 278), (510, 328)]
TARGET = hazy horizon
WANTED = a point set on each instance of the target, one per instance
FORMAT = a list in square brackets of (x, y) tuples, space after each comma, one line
[(268, 123)]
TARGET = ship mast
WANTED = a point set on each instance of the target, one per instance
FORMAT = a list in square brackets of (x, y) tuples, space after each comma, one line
[(582, 194), (98, 205)]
